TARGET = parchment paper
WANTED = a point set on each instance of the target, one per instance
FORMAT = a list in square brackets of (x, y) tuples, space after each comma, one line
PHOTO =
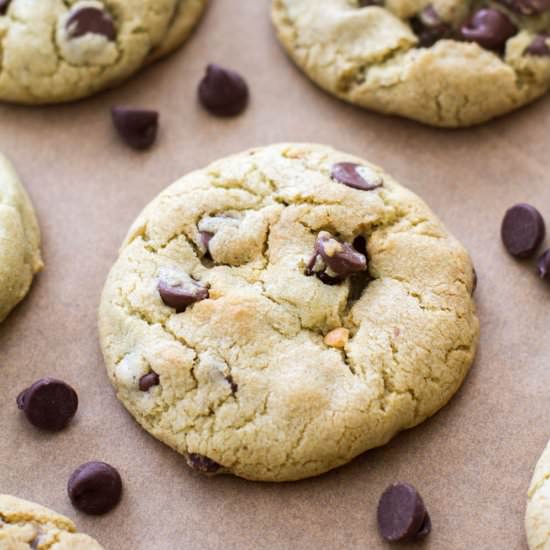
[(472, 462)]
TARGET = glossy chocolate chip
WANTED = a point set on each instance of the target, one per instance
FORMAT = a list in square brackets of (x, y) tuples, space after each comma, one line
[(522, 230), (95, 488), (543, 265), (527, 7), (489, 28), (402, 514), (429, 27), (48, 404), (4, 4), (202, 464), (223, 92), (137, 127), (356, 176), (91, 21), (147, 381), (179, 297), (539, 46)]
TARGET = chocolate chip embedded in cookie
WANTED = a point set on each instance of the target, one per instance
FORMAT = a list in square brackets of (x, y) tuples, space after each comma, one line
[(446, 63), (539, 46), (91, 20), (220, 344)]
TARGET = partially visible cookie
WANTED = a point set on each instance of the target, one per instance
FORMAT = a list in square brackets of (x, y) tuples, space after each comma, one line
[(445, 63), (283, 310), (55, 51), (25, 525), (184, 19), (20, 240), (537, 516)]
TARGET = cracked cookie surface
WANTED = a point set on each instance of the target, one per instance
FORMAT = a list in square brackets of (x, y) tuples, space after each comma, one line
[(20, 243), (446, 63), (25, 525), (62, 50), (273, 316), (537, 515)]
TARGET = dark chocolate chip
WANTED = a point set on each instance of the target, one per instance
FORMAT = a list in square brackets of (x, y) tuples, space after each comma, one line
[(137, 127), (356, 176), (95, 488), (522, 230), (147, 381), (368, 3), (223, 92), (543, 265), (232, 383), (429, 27), (527, 7), (4, 4), (91, 21), (539, 46), (402, 514), (48, 404), (489, 28), (179, 297), (202, 464)]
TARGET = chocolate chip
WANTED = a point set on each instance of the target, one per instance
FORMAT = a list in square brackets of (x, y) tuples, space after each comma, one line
[(527, 7), (539, 45), (356, 176), (48, 404), (223, 92), (4, 4), (202, 464), (147, 381), (91, 21), (182, 295), (402, 514), (95, 488), (522, 230), (489, 28), (137, 127), (543, 265), (429, 27)]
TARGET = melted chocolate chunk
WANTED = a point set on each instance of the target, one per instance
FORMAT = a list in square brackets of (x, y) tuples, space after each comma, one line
[(147, 381), (356, 176), (91, 21), (539, 46), (489, 28), (181, 296)]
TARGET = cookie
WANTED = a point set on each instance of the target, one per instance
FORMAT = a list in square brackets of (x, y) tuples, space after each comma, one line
[(537, 516), (283, 310), (55, 51), (25, 525), (446, 63), (20, 244), (183, 21)]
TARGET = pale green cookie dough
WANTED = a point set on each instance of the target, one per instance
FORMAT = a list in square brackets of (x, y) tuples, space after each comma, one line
[(184, 19), (25, 525), (277, 376), (537, 516), (46, 57), (19, 240), (371, 57)]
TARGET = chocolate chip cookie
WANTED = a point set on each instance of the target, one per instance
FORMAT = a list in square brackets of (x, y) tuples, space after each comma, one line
[(446, 63), (537, 516), (20, 243), (25, 525), (54, 51), (285, 309)]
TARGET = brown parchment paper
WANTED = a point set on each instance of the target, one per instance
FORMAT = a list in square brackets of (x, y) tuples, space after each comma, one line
[(472, 462)]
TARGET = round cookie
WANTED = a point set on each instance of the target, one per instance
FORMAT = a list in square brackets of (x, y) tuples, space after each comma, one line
[(537, 515), (444, 62), (283, 310), (54, 51), (20, 243), (25, 525), (184, 19)]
